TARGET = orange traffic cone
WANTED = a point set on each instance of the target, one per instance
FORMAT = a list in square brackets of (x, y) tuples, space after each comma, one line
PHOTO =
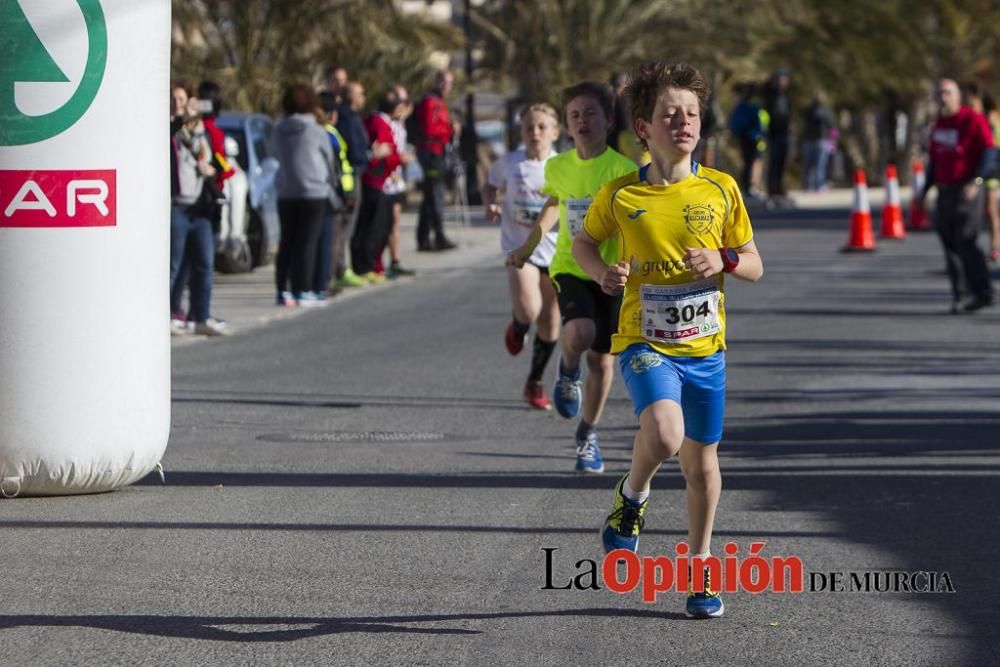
[(892, 210), (861, 239), (918, 214)]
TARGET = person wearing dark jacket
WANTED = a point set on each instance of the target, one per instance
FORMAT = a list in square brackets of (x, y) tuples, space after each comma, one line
[(350, 125), (744, 123), (306, 182), (817, 121), (779, 110), (352, 129)]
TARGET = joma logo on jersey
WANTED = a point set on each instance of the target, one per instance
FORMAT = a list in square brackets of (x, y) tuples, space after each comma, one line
[(58, 198), (699, 217)]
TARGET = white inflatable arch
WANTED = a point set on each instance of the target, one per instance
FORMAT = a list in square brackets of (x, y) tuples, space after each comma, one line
[(84, 245)]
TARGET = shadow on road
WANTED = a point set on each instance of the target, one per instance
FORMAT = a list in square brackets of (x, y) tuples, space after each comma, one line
[(254, 629), (349, 401), (372, 528), (928, 503)]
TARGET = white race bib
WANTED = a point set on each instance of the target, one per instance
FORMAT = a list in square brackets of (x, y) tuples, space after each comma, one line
[(678, 313), (526, 212), (576, 211)]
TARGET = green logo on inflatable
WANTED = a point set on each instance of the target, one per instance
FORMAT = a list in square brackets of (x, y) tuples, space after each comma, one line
[(26, 59)]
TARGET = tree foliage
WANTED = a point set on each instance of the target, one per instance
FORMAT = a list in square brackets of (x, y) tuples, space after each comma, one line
[(854, 49), (254, 48), (868, 57)]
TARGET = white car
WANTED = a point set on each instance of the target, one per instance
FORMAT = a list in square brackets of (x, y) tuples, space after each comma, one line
[(250, 230)]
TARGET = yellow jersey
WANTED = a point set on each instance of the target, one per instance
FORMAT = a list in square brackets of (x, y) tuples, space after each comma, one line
[(663, 304)]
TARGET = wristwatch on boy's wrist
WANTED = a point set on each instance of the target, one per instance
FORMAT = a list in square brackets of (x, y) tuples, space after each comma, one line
[(730, 259)]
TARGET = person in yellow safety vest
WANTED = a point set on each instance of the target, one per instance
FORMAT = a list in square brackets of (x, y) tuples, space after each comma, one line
[(346, 170), (765, 126)]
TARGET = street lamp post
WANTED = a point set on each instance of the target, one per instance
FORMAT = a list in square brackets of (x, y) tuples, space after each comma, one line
[(470, 140)]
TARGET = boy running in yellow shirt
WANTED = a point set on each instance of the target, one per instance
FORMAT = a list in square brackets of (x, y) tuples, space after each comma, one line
[(589, 316), (682, 227)]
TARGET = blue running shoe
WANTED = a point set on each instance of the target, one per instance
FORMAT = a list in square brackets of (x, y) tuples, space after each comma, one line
[(588, 455), (622, 527), (707, 604), (568, 392)]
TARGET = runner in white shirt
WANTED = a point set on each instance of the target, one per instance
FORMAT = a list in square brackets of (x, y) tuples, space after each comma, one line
[(520, 175)]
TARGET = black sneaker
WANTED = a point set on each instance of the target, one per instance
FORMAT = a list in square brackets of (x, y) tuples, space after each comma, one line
[(444, 244), (977, 303), (425, 246), (395, 271)]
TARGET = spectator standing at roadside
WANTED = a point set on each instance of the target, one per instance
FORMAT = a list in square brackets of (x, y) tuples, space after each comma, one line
[(305, 183), (179, 96), (745, 124), (396, 186), (435, 135), (706, 153), (191, 238), (817, 121), (961, 158), (620, 123), (993, 182), (207, 105), (779, 110), (333, 219), (210, 95), (375, 216), (352, 129), (336, 81)]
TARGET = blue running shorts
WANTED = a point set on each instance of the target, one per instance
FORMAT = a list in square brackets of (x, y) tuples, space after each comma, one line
[(697, 384)]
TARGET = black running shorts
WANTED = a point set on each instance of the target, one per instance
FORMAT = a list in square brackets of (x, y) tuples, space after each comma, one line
[(580, 298)]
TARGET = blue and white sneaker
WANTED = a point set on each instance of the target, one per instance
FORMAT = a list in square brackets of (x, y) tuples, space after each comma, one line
[(588, 455), (311, 300), (568, 392), (623, 525), (707, 604)]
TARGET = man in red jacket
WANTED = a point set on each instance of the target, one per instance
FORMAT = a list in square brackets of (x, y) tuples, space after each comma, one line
[(434, 136), (961, 156)]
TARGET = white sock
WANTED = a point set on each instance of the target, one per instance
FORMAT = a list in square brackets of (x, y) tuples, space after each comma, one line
[(638, 497), (702, 556)]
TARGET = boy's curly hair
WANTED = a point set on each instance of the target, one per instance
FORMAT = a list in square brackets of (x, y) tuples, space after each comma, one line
[(647, 82)]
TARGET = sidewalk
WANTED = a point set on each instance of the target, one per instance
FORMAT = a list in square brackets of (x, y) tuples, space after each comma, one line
[(844, 198), (246, 300)]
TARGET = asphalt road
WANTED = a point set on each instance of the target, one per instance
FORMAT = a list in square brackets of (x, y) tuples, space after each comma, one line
[(363, 485)]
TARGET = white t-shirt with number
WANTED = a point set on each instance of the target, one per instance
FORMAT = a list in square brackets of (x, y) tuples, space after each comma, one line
[(520, 180), (396, 183)]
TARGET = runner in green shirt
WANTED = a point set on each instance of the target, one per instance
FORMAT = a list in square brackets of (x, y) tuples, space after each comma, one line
[(589, 316)]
